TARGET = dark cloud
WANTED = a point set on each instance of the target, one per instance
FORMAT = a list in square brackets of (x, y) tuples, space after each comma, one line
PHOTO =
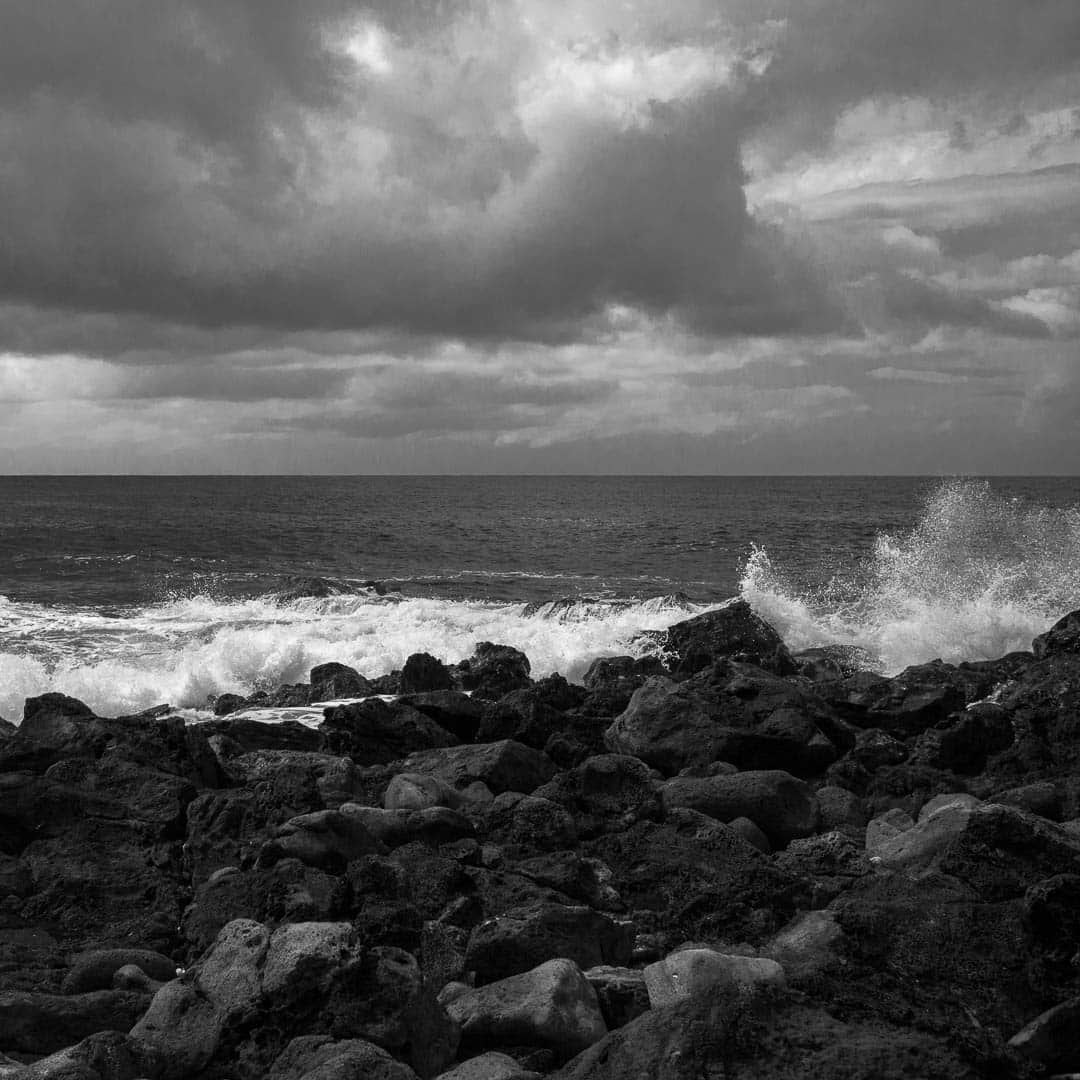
[(184, 161), (231, 382)]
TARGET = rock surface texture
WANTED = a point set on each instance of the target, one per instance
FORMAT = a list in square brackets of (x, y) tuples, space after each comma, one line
[(715, 861)]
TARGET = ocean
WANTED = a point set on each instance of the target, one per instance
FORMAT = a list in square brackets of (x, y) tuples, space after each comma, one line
[(128, 592)]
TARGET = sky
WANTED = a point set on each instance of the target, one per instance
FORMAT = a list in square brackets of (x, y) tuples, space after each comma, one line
[(540, 236)]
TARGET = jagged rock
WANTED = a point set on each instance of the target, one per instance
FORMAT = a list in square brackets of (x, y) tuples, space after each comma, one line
[(698, 878), (605, 793), (326, 839), (423, 673), (450, 709), (1063, 638), (840, 808), (610, 682), (782, 806), (521, 939), (526, 824), (334, 681), (297, 778), (732, 630), (621, 991), (586, 880), (697, 972), (494, 670), (246, 734), (965, 742), (374, 732), (886, 827), (552, 1006), (94, 970), (874, 749), (730, 712), (309, 976), (502, 766)]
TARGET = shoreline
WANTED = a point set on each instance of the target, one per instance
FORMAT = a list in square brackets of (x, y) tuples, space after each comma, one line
[(466, 871)]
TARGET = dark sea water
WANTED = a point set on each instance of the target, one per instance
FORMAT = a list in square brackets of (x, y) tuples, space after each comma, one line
[(127, 592)]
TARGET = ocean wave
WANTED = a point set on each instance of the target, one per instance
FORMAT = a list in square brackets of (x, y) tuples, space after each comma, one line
[(187, 648), (978, 576)]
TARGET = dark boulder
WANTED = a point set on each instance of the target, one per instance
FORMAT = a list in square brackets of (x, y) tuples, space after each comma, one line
[(1062, 638), (335, 681), (451, 709), (605, 793), (494, 670), (374, 732), (610, 682), (423, 673), (523, 938), (732, 631), (782, 806), (247, 734), (502, 766), (44, 1023)]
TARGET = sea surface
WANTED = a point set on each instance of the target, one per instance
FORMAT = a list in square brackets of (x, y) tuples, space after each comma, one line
[(130, 592)]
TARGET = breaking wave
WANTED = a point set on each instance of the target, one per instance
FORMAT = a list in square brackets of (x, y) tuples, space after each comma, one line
[(184, 650), (978, 576)]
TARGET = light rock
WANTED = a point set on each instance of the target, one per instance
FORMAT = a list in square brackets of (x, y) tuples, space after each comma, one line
[(692, 972)]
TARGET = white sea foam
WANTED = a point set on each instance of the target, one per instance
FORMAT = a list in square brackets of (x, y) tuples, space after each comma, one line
[(182, 651), (979, 575)]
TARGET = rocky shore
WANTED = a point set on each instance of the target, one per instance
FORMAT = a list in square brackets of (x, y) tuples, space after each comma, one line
[(729, 862)]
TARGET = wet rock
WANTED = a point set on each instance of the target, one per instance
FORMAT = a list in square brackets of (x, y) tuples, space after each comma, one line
[(782, 806), (334, 681), (732, 630), (875, 749), (494, 670), (697, 972), (610, 682), (450, 709), (423, 673), (552, 1006), (521, 939), (375, 732), (1063, 638), (605, 793), (502, 766), (248, 735)]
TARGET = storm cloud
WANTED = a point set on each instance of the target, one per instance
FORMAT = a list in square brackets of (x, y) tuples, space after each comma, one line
[(398, 234)]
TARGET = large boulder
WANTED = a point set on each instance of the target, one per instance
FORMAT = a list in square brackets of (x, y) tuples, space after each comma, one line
[(501, 766), (698, 972), (423, 673), (782, 806), (494, 670), (605, 793), (552, 1006), (729, 712), (732, 631), (310, 977), (375, 732), (327, 839), (526, 937), (1062, 638), (321, 1057)]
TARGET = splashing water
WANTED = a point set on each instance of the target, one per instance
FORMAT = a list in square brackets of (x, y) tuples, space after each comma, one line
[(186, 649), (978, 576)]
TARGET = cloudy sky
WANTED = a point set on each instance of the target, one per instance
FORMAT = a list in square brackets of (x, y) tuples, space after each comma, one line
[(735, 236)]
